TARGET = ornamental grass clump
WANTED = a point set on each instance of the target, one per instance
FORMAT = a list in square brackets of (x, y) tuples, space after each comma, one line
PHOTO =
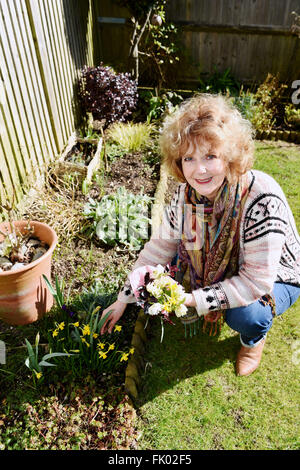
[(131, 137)]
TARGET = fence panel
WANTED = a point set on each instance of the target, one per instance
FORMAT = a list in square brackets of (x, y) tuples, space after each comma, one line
[(251, 37), (43, 45)]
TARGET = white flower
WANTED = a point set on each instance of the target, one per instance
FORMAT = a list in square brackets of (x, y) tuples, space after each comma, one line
[(154, 289), (155, 309), (181, 311)]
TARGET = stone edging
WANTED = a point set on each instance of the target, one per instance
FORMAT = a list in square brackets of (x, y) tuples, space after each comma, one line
[(136, 363)]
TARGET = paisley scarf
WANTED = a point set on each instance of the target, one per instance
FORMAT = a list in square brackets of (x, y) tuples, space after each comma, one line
[(209, 248)]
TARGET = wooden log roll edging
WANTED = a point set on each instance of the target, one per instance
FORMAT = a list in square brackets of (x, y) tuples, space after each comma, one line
[(136, 363), (285, 135)]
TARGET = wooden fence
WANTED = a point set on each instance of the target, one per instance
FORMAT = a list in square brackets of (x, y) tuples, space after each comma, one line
[(43, 45), (251, 37)]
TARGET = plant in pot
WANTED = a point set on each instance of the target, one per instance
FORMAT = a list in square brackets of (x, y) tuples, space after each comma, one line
[(26, 249)]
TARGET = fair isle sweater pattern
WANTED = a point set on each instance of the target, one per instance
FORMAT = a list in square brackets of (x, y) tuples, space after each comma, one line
[(269, 248)]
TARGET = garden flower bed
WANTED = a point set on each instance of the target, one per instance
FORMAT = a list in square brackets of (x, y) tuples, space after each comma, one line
[(81, 403)]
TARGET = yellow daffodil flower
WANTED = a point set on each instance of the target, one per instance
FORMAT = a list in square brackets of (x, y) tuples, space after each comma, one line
[(75, 350), (124, 357), (111, 346), (131, 350), (102, 354), (75, 324), (84, 341), (86, 330), (101, 345), (118, 328), (95, 335), (38, 374), (61, 325), (55, 333)]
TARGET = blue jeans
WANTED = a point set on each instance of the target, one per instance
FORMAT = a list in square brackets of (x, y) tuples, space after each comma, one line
[(254, 321)]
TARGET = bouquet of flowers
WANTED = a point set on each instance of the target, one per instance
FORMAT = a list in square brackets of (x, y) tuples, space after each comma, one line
[(158, 293)]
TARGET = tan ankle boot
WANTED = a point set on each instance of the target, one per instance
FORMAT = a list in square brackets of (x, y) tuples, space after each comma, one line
[(248, 359)]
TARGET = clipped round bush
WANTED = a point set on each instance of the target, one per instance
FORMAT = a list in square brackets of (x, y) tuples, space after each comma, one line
[(106, 95)]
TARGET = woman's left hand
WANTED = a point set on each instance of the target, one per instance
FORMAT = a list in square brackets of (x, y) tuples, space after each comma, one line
[(190, 300)]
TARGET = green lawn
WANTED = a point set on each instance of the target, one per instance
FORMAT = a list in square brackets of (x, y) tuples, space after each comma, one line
[(191, 397)]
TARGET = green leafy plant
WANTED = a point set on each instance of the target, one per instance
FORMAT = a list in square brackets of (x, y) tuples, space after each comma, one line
[(161, 47), (245, 103), (158, 105), (292, 116), (130, 136), (32, 361), (119, 218), (57, 292), (220, 82)]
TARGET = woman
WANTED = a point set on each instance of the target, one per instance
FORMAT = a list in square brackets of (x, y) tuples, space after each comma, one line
[(230, 227)]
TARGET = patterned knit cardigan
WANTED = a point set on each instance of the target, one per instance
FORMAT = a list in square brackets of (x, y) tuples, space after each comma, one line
[(269, 248)]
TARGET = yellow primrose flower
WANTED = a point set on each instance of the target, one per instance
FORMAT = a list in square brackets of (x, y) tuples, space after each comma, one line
[(118, 328), (61, 325), (84, 341), (124, 357), (101, 345), (102, 354), (131, 350), (86, 330), (55, 333), (111, 346)]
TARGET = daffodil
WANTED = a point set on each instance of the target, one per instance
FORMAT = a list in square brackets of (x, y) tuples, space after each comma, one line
[(38, 374), (84, 341), (111, 346), (95, 335), (61, 325), (101, 345), (86, 330), (75, 324), (55, 333), (102, 354), (118, 328), (124, 357), (131, 350)]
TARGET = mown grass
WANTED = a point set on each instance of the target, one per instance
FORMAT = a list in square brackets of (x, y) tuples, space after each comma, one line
[(191, 397)]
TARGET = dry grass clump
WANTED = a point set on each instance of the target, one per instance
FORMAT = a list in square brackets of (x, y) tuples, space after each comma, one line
[(58, 203)]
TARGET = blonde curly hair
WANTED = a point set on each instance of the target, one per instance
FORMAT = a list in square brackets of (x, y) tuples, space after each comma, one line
[(208, 119)]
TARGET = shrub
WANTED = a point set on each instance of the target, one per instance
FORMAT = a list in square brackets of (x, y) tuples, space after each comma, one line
[(106, 95), (269, 108)]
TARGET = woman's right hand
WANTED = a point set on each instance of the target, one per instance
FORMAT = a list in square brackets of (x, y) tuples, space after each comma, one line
[(117, 309)]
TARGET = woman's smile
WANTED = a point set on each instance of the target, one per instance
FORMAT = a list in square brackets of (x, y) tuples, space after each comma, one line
[(203, 181)]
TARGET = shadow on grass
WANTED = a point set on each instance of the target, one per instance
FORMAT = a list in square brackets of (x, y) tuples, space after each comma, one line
[(178, 358)]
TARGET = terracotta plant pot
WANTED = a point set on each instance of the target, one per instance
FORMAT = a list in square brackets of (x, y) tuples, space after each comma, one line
[(24, 297)]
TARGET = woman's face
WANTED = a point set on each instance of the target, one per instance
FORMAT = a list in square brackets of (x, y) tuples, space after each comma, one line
[(204, 169)]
